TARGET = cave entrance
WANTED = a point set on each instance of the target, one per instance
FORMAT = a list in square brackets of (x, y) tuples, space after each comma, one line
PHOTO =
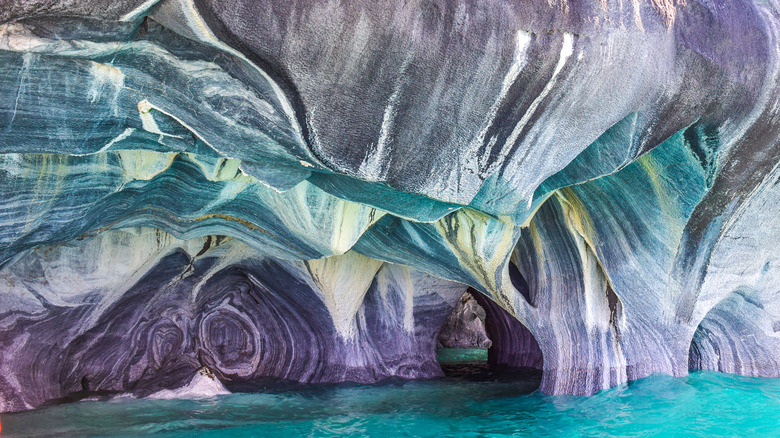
[(481, 341), (463, 339)]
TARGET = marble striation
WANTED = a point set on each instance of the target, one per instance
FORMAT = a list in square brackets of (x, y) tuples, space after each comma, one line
[(304, 190)]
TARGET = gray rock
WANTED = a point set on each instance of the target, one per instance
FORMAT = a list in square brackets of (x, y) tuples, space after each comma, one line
[(465, 326)]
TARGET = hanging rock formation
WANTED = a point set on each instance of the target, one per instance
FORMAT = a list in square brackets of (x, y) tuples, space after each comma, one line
[(303, 190), (465, 326)]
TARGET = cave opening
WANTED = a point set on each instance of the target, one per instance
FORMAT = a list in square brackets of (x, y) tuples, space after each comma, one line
[(463, 338), (480, 341)]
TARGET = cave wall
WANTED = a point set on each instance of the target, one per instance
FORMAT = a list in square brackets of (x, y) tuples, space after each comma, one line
[(512, 344), (183, 176), (138, 322)]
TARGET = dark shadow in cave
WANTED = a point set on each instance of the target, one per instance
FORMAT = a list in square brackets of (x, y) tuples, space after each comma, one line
[(696, 352), (480, 341)]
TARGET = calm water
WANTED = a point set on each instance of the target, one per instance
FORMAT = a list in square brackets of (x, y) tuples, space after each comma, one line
[(704, 404), (461, 355)]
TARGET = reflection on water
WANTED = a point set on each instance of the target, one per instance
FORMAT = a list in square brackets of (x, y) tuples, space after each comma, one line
[(703, 404), (461, 355), (470, 364)]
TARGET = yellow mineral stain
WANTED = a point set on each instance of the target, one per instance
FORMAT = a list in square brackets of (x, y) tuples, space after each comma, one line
[(481, 243), (350, 221), (105, 74), (661, 189), (343, 281), (536, 238), (595, 276), (144, 165), (107, 79), (51, 171), (577, 218)]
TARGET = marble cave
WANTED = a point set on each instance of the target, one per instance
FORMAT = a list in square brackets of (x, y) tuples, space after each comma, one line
[(304, 190)]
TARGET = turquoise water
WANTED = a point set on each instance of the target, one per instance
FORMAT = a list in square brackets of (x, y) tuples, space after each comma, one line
[(461, 355), (704, 404)]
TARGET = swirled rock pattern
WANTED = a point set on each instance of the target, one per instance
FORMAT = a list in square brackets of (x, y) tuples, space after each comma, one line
[(302, 190), (210, 302)]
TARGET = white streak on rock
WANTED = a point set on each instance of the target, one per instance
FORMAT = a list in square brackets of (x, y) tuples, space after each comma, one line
[(106, 75), (126, 133), (523, 41), (567, 48), (203, 385), (194, 27)]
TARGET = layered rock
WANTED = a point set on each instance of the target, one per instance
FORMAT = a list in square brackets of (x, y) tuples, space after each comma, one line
[(303, 190)]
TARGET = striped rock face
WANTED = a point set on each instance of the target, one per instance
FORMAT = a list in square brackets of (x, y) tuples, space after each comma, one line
[(303, 190)]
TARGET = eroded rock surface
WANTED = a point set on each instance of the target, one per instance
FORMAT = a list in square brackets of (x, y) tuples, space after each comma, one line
[(303, 190)]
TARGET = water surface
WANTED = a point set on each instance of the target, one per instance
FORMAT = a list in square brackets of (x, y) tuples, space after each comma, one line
[(704, 404), (461, 355)]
